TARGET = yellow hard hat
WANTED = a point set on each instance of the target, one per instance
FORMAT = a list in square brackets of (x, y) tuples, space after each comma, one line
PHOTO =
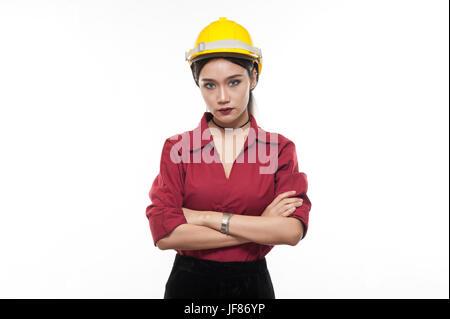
[(224, 38)]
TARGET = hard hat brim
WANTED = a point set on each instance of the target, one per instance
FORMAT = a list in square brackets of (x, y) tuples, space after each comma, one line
[(223, 54)]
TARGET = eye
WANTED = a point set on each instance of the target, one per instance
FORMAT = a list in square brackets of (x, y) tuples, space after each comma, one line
[(206, 85), (238, 81)]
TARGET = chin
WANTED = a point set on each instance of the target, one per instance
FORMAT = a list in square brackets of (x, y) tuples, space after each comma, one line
[(225, 118)]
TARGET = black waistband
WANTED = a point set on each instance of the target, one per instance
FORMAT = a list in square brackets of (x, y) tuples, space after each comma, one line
[(212, 267)]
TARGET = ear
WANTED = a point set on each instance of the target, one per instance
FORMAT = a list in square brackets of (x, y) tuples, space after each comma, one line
[(254, 79)]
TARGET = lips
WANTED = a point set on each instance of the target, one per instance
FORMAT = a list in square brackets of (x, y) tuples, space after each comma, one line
[(226, 110)]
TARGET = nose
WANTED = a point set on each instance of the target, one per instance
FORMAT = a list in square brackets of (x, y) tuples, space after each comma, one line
[(224, 97)]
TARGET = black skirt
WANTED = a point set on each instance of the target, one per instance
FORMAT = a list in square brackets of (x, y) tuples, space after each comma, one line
[(200, 278)]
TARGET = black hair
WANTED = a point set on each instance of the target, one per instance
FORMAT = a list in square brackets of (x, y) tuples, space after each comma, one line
[(248, 64)]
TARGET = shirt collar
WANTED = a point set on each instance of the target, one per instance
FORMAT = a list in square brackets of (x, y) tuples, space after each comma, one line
[(201, 135)]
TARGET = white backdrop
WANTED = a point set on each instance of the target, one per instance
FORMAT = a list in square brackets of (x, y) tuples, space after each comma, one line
[(89, 90)]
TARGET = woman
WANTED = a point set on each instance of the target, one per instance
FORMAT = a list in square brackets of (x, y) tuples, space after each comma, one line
[(218, 203)]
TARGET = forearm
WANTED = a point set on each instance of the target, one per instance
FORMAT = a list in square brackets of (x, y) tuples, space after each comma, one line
[(196, 237), (274, 230)]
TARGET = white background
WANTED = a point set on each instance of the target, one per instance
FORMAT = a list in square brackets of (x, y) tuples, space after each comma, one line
[(89, 91)]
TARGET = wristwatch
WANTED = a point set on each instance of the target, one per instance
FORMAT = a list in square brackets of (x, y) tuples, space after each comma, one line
[(225, 222)]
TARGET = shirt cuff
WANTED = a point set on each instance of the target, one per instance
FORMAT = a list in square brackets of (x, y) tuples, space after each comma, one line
[(163, 222)]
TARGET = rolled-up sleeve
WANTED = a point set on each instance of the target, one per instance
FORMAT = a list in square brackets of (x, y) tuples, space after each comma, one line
[(166, 194), (288, 178)]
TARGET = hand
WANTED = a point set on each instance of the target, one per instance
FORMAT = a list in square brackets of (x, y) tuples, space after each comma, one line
[(282, 205), (192, 216)]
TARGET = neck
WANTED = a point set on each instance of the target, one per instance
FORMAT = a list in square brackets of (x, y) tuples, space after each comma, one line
[(240, 122)]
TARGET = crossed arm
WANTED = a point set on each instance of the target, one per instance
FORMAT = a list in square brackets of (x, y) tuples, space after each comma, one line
[(203, 231)]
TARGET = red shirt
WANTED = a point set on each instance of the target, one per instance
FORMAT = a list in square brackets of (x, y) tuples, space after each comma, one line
[(191, 176)]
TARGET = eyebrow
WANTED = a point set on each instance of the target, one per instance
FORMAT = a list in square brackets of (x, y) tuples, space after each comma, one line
[(231, 76)]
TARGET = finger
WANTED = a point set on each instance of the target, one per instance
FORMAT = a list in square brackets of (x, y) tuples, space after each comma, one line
[(287, 207), (288, 211), (283, 205), (282, 196), (292, 200), (290, 206)]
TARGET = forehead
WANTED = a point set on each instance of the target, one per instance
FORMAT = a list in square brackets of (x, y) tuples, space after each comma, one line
[(220, 69)]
